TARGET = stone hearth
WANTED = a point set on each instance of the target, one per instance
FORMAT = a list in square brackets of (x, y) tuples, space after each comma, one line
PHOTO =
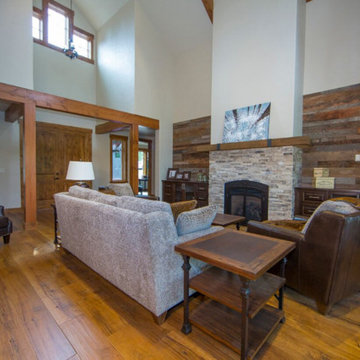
[(278, 167)]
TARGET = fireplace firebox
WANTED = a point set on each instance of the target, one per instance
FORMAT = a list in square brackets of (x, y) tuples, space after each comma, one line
[(247, 198)]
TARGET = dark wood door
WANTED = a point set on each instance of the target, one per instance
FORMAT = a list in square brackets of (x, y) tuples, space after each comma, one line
[(56, 145)]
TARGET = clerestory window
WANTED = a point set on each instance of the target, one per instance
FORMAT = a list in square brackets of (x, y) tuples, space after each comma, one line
[(54, 27)]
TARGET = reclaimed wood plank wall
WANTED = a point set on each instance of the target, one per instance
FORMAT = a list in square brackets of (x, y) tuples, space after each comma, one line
[(186, 136), (332, 119)]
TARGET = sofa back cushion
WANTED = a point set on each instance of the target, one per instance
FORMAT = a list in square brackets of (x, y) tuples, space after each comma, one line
[(143, 206), (195, 220), (341, 207)]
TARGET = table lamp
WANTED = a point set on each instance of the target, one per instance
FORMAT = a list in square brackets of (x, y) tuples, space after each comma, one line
[(80, 171)]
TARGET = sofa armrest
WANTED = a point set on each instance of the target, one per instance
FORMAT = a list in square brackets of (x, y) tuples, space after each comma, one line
[(274, 231)]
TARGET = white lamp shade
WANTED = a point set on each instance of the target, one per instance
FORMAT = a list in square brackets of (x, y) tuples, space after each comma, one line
[(80, 171)]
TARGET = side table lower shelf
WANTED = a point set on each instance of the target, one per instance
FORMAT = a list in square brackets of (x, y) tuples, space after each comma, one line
[(223, 323)]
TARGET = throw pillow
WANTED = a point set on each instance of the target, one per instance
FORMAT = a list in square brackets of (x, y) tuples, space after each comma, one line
[(341, 207), (195, 220), (178, 207)]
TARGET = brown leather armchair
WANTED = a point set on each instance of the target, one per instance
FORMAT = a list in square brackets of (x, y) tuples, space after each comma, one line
[(325, 265), (5, 226)]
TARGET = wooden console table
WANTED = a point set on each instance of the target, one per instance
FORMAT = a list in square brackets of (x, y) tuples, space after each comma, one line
[(238, 287)]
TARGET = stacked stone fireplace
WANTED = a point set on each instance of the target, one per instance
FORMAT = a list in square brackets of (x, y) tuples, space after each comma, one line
[(279, 168)]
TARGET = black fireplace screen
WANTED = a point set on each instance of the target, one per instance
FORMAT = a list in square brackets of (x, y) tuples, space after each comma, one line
[(247, 198)]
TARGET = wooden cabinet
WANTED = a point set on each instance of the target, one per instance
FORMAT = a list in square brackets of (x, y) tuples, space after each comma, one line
[(307, 199), (177, 190)]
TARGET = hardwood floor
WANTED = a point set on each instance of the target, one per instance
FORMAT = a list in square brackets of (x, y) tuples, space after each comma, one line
[(53, 306)]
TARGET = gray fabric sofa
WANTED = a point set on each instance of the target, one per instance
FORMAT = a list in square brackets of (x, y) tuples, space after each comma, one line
[(130, 242)]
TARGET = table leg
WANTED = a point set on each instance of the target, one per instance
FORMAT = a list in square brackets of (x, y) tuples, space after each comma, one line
[(237, 226), (281, 290), (186, 328), (245, 293)]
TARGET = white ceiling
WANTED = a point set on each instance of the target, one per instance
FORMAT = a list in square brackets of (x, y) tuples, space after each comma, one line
[(99, 12), (183, 24)]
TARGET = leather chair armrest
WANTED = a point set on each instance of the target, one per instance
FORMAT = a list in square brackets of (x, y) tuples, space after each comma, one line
[(274, 231)]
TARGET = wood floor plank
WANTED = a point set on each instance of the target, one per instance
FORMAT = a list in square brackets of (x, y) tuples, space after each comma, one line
[(89, 342), (30, 315), (55, 307)]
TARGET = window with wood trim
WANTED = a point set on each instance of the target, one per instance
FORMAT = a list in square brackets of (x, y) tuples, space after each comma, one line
[(54, 27), (83, 42), (37, 24), (118, 158)]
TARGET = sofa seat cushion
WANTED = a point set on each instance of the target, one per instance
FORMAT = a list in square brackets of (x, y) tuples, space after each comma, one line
[(287, 224), (178, 207), (195, 220), (337, 206)]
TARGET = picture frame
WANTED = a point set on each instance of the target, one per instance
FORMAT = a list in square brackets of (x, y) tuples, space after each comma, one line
[(186, 175), (179, 176), (171, 173)]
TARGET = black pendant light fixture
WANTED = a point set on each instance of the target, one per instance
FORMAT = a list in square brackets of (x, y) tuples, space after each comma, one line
[(70, 51)]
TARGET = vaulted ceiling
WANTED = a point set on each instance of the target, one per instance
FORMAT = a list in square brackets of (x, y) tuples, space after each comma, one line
[(183, 24)]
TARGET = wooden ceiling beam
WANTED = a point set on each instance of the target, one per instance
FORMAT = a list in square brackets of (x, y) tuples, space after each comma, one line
[(52, 102), (14, 112), (209, 7), (110, 127)]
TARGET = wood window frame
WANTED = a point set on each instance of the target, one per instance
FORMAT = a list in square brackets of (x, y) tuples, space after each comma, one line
[(149, 150), (89, 37), (70, 14), (38, 14), (124, 158)]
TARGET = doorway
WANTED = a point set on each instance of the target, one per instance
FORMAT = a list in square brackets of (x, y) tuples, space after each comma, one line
[(56, 145)]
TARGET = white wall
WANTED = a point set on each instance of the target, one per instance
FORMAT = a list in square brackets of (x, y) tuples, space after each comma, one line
[(116, 60), (56, 74), (332, 52), (193, 82), (254, 60), (16, 59), (154, 89), (9, 163), (16, 68)]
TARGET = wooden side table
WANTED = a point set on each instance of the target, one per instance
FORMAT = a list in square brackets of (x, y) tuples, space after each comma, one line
[(237, 286), (227, 219)]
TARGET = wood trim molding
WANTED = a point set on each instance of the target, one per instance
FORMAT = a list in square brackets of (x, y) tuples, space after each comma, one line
[(109, 127), (67, 128), (134, 156), (209, 7), (299, 141), (14, 112)]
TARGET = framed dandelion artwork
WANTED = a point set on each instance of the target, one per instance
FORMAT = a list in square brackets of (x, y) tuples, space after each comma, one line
[(247, 123)]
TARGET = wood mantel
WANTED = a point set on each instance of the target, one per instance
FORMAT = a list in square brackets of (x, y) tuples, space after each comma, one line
[(298, 141)]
